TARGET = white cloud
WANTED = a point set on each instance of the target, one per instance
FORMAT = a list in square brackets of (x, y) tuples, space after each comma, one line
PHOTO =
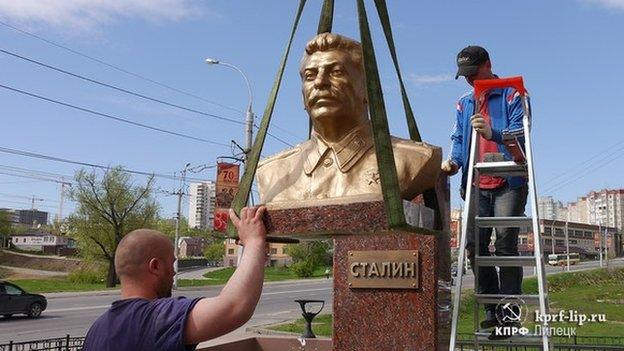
[(89, 15), (612, 4), (430, 79)]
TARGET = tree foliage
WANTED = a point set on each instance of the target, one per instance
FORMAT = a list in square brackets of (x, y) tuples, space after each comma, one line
[(215, 251), (108, 207), (307, 256), (5, 227)]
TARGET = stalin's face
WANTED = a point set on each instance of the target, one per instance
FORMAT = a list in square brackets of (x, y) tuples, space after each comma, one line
[(333, 88)]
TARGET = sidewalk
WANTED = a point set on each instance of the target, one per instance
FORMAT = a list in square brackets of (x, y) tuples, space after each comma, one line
[(35, 271)]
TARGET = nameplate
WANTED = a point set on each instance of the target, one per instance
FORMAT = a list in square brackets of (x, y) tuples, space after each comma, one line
[(383, 269)]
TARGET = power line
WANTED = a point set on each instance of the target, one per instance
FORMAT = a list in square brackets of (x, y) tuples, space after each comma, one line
[(29, 204), (91, 80), (117, 68), (129, 91), (86, 164), (104, 115), (582, 165), (35, 172), (28, 197), (604, 162), (30, 177), (133, 93)]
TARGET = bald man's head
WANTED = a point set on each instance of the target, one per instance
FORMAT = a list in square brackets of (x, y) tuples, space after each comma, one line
[(136, 252)]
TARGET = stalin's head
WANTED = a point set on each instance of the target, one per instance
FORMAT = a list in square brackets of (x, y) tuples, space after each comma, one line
[(334, 85)]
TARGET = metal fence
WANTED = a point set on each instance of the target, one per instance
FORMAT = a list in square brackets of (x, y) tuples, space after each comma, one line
[(67, 343), (588, 343)]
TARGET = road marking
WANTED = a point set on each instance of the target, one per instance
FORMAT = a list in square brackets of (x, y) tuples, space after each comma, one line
[(278, 313), (295, 291), (78, 308)]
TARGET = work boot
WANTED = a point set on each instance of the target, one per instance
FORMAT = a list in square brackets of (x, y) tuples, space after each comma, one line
[(490, 319)]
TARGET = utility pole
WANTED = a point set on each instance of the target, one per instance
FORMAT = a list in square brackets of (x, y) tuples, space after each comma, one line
[(607, 231), (248, 125), (552, 237), (62, 182), (32, 209), (176, 241), (600, 243), (567, 246)]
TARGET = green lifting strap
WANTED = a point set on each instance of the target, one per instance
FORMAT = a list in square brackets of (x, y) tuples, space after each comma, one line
[(244, 188), (327, 17), (431, 199), (324, 26), (381, 132), (382, 10)]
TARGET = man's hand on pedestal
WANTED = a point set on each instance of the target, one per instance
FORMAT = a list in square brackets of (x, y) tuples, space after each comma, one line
[(449, 167)]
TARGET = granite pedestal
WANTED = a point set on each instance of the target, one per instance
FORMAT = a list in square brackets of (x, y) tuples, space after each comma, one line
[(378, 318)]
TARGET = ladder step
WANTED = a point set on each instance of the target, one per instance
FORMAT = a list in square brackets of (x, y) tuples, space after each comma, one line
[(527, 339), (496, 298), (501, 169), (505, 261), (505, 222)]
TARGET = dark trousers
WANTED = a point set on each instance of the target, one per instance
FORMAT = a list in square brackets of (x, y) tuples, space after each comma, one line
[(500, 202)]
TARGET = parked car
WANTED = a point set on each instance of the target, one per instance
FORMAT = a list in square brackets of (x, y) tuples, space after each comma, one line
[(14, 300)]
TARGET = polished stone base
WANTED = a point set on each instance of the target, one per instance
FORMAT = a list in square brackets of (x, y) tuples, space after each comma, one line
[(393, 319)]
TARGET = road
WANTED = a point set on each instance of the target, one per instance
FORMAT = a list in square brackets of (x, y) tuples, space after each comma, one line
[(74, 313), (468, 282)]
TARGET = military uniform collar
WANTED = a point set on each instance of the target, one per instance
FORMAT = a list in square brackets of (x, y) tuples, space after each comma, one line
[(346, 152)]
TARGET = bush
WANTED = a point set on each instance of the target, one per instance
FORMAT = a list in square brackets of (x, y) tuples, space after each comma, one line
[(87, 275), (303, 269)]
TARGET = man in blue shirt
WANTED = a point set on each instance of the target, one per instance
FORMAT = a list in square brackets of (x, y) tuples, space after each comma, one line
[(499, 111), (148, 318)]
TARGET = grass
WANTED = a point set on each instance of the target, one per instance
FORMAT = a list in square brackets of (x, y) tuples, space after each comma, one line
[(588, 292), (218, 277), (55, 285), (321, 326), (3, 273), (271, 274)]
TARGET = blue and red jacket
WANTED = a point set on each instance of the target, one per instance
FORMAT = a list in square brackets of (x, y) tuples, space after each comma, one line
[(505, 110)]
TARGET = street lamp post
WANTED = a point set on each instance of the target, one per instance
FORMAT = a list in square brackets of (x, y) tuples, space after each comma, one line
[(248, 124), (249, 112)]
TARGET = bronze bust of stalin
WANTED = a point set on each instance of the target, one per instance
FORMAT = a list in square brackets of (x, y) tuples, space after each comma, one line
[(339, 159)]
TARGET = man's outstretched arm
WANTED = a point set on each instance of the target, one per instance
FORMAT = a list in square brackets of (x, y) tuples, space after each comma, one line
[(213, 317)]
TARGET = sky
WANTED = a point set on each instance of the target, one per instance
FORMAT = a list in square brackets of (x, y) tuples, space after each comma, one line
[(568, 51)]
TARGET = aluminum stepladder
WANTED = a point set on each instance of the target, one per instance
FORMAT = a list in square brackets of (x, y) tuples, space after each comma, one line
[(518, 167)]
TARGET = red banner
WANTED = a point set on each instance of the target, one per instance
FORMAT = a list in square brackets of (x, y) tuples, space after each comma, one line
[(226, 188)]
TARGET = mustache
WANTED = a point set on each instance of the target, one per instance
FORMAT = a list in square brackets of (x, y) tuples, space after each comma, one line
[(332, 94)]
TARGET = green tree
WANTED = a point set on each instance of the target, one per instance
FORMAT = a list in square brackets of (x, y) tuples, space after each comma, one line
[(5, 228), (215, 251), (108, 208), (307, 256)]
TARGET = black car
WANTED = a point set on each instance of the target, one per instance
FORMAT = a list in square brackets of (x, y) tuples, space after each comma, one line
[(14, 300)]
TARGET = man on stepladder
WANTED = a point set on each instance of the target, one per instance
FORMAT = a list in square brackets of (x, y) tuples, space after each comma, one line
[(500, 111)]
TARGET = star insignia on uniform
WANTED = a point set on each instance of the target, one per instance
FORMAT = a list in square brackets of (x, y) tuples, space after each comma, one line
[(372, 177)]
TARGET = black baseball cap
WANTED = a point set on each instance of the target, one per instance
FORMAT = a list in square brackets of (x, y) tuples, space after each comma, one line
[(469, 60)]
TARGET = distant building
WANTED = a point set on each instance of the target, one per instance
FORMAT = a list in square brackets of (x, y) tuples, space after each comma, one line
[(606, 207), (577, 211), (548, 208), (27, 218), (44, 242), (455, 227), (192, 246), (583, 239), (202, 205), (276, 257)]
